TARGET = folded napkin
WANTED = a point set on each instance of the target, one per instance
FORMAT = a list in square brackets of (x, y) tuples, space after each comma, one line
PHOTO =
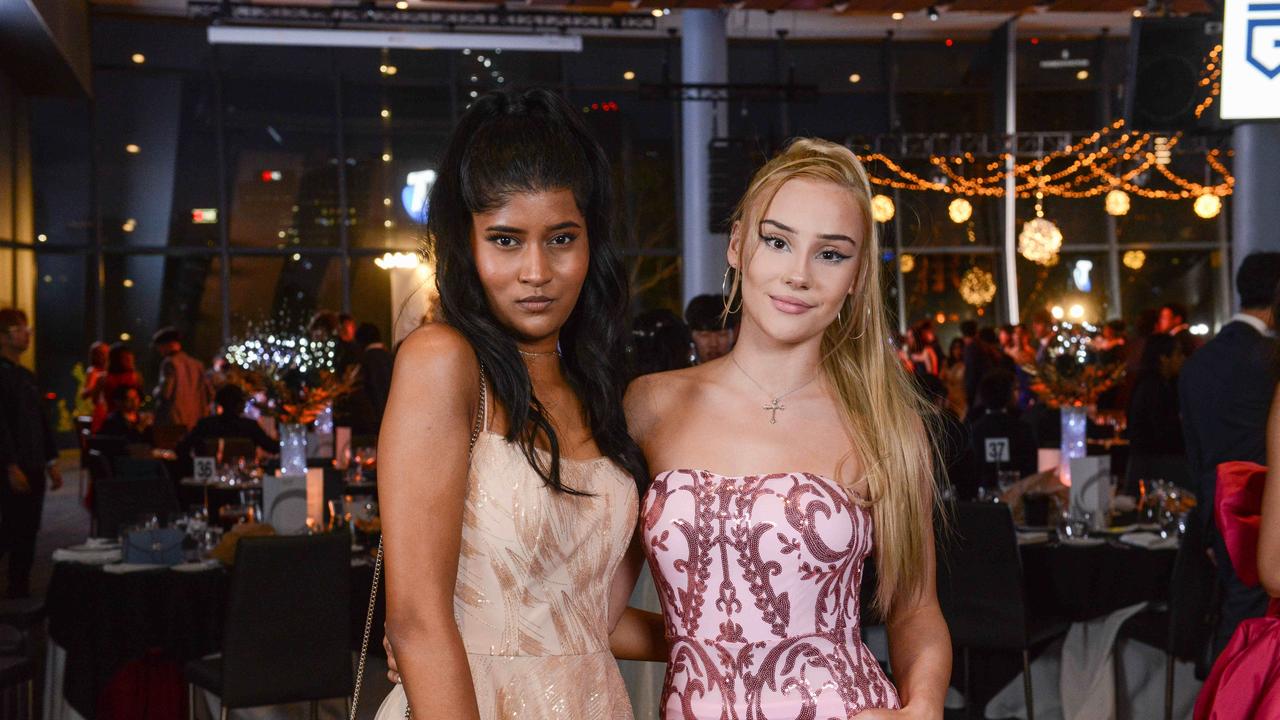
[(122, 568), (1032, 537), (88, 557), (1081, 541), (1150, 541)]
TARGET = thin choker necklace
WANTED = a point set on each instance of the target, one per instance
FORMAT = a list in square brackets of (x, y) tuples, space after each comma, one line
[(526, 353)]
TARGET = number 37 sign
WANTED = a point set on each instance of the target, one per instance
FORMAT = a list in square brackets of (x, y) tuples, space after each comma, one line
[(1251, 60)]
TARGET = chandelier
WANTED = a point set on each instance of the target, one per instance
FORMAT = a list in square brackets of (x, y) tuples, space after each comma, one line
[(1135, 259), (1208, 206), (959, 210), (977, 287), (1040, 240), (906, 262), (882, 209)]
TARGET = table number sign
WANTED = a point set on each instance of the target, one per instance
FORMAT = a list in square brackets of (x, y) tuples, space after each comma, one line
[(284, 503), (997, 450), (1091, 487), (204, 470)]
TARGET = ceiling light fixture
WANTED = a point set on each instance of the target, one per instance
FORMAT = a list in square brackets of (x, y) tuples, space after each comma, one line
[(933, 13)]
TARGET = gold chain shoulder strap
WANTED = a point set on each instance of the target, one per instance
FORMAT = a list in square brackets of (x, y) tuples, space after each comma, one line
[(476, 427)]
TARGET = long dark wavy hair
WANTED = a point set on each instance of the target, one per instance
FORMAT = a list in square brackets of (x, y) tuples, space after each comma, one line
[(517, 142)]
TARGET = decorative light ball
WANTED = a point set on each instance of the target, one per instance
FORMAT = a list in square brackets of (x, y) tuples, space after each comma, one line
[(1135, 259), (882, 209), (960, 210), (977, 287), (1040, 241), (1208, 206), (1117, 202), (907, 262)]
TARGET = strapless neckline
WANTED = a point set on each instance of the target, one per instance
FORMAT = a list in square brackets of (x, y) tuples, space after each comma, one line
[(542, 451), (781, 474)]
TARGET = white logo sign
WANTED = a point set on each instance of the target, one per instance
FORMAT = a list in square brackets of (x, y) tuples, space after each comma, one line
[(1251, 60)]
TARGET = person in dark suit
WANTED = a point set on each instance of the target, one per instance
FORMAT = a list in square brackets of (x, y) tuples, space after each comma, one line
[(27, 453), (375, 370), (977, 360), (124, 420), (1156, 445), (227, 423), (1225, 392), (1000, 440), (953, 461)]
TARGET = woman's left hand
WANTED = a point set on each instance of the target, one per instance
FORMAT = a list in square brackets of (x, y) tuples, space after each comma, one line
[(906, 713)]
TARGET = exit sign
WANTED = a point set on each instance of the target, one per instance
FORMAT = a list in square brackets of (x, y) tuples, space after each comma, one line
[(204, 216)]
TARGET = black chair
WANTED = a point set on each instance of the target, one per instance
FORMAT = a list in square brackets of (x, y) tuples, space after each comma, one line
[(982, 594), (17, 687), (286, 638), (139, 468), (120, 501), (1182, 627), (229, 449)]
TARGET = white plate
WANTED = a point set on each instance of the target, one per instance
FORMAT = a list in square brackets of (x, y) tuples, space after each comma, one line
[(1082, 541)]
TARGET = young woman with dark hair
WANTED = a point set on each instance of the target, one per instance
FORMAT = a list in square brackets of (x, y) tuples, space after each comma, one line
[(507, 564)]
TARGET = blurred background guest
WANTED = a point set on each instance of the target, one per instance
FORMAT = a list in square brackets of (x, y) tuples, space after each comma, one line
[(1000, 439), (1041, 332), (954, 464), (228, 422), (920, 347), (953, 378), (1224, 393), (375, 369), (1173, 321), (121, 372), (1156, 446), (181, 394), (713, 334), (660, 341), (94, 381), (27, 453), (125, 419), (1023, 353)]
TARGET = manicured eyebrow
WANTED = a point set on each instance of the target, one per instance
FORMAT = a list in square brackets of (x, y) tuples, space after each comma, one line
[(829, 236), (504, 229), (566, 225)]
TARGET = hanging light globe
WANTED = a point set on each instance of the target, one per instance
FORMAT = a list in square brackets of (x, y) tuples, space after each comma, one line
[(906, 262), (977, 287), (960, 210), (1208, 206), (1040, 241), (1135, 259), (882, 209), (1117, 202)]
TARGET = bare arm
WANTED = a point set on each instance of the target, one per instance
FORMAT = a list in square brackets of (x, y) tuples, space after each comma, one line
[(1269, 534), (634, 634), (433, 401), (920, 646)]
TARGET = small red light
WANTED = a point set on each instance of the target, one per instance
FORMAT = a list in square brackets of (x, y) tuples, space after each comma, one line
[(595, 106), (950, 42), (1035, 41), (50, 396)]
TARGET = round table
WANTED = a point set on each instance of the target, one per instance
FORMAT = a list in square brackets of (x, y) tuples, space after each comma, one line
[(1083, 583), (104, 621)]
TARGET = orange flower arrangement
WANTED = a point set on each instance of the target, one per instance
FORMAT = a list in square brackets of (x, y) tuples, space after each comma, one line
[(290, 376)]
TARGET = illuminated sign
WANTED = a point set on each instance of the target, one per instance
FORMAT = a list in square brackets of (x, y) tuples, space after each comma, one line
[(271, 176), (417, 189), (1251, 60), (204, 216)]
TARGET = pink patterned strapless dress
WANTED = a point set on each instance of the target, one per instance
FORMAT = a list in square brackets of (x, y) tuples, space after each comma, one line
[(758, 578)]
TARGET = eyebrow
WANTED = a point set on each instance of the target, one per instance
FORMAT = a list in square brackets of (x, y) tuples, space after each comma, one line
[(566, 225), (828, 236)]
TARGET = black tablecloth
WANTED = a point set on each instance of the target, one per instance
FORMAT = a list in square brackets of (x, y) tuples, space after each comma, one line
[(104, 620), (1085, 583)]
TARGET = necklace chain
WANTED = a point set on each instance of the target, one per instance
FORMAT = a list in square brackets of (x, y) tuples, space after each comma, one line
[(776, 404), (549, 353)]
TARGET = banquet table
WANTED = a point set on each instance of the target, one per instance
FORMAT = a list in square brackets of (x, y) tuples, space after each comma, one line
[(101, 622), (1085, 583)]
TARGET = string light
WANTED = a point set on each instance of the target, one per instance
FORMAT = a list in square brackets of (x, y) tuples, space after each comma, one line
[(906, 263), (959, 210)]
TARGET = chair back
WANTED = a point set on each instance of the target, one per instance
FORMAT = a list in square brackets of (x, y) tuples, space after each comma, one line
[(120, 501), (109, 445), (980, 584), (228, 449), (167, 437), (1192, 601), (98, 465), (287, 633)]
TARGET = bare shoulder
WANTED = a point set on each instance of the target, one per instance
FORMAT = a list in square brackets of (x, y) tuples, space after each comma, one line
[(435, 356), (650, 397)]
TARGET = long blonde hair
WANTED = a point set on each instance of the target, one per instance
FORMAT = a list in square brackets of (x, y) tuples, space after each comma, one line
[(884, 411)]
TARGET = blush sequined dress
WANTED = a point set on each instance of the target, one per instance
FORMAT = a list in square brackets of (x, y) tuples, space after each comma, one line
[(759, 579), (532, 592)]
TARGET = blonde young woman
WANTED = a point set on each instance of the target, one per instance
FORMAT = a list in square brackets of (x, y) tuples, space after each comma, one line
[(781, 467)]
